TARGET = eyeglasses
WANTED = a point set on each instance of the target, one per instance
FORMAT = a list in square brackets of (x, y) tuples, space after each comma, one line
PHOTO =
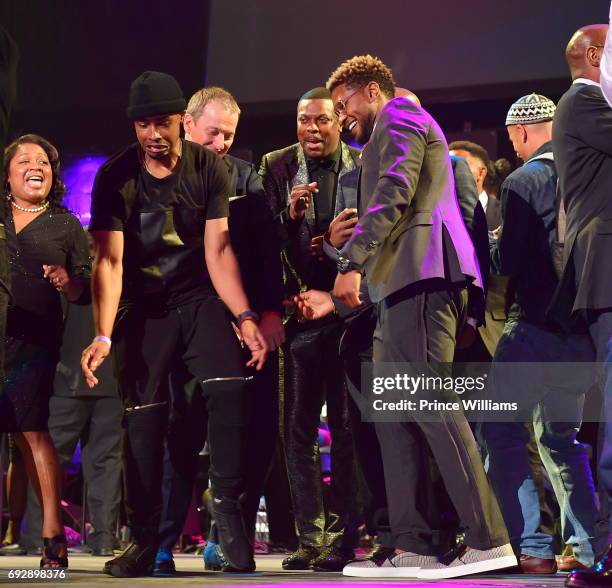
[(343, 103)]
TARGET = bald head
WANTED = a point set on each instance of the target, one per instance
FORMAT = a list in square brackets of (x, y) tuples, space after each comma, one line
[(584, 50), (407, 94)]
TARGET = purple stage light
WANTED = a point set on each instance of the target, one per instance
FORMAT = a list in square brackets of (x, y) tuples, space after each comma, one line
[(79, 173)]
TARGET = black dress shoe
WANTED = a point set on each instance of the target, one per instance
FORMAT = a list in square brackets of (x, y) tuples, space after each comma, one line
[(15, 549), (102, 551), (233, 541), (332, 560), (136, 560), (599, 576), (301, 559)]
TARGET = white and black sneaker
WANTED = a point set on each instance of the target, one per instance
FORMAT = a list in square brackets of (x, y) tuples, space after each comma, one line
[(402, 565), (465, 560)]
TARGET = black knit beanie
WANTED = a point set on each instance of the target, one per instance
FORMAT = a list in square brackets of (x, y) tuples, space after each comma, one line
[(154, 93)]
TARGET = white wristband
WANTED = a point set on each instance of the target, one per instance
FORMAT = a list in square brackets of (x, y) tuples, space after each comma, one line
[(106, 340)]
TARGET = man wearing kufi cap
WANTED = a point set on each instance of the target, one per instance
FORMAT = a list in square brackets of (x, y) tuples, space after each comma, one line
[(523, 253), (159, 207)]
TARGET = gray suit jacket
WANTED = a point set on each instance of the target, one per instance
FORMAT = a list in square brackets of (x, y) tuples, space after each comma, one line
[(410, 225), (582, 143)]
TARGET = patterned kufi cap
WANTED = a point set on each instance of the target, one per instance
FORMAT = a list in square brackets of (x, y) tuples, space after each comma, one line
[(531, 109)]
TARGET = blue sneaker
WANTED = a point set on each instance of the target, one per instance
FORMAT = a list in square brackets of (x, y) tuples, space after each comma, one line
[(164, 565), (212, 557)]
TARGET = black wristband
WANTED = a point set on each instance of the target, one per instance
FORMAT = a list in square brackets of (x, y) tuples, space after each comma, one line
[(247, 315)]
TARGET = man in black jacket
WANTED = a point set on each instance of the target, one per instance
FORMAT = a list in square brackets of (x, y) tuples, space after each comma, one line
[(582, 128), (302, 184), (211, 120)]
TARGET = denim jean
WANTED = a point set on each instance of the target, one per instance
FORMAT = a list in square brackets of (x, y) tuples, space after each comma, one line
[(563, 456), (601, 334)]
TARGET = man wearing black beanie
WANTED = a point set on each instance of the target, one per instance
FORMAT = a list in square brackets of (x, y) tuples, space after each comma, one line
[(156, 207)]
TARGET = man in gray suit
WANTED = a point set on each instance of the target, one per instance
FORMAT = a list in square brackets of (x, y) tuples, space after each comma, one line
[(414, 249)]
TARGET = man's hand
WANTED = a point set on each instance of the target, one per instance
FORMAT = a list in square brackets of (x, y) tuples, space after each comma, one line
[(313, 304), (316, 247), (300, 199), (272, 329), (346, 288), (91, 359), (341, 229), (256, 343)]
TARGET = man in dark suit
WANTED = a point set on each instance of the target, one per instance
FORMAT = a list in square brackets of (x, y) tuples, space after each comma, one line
[(480, 164), (211, 120), (582, 132), (303, 183), (490, 331), (413, 246)]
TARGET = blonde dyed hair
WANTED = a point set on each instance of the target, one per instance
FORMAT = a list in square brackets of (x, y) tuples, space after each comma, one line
[(361, 70)]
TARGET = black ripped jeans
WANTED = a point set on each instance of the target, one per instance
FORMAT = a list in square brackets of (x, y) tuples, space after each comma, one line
[(148, 344)]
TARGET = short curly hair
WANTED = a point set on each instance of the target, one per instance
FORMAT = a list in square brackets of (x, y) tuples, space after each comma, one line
[(360, 71)]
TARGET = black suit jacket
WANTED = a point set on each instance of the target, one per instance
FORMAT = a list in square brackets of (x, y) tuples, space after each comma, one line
[(493, 213), (254, 237), (476, 224), (280, 171), (582, 143)]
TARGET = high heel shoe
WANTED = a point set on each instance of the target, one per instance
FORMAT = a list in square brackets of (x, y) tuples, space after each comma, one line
[(51, 558)]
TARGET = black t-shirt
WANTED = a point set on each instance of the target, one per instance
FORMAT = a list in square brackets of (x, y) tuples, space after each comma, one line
[(162, 221), (52, 238)]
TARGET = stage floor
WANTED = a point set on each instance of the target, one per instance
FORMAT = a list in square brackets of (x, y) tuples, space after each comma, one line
[(85, 571)]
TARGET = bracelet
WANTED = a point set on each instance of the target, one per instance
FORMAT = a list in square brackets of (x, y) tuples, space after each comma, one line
[(106, 340), (247, 315)]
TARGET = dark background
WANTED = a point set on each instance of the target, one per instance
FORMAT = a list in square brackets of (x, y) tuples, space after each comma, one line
[(467, 61)]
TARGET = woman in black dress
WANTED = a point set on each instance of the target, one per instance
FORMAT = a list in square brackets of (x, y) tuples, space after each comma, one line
[(48, 258)]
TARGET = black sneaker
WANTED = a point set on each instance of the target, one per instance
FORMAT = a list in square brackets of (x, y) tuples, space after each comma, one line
[(135, 560), (301, 559), (233, 541)]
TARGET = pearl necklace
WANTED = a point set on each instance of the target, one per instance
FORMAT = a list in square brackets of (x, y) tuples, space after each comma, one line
[(32, 210)]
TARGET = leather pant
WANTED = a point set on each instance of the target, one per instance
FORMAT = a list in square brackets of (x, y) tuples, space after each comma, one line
[(314, 375)]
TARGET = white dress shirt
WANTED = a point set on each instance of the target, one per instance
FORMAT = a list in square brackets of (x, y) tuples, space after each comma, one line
[(605, 67)]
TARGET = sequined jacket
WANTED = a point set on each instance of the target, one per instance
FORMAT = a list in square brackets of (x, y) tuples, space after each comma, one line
[(280, 171)]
